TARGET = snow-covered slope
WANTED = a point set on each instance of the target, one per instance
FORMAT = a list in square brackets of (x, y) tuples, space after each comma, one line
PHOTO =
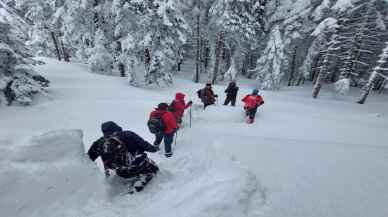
[(197, 181), (302, 157)]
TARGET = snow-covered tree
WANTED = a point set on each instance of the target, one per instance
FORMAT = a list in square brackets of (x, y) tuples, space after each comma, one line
[(380, 71), (268, 70), (101, 60), (18, 81)]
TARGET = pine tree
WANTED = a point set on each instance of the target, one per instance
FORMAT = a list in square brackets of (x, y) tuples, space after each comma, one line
[(18, 81), (268, 70), (380, 71)]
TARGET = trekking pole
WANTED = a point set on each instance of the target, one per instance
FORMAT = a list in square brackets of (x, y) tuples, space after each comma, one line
[(176, 135), (190, 116)]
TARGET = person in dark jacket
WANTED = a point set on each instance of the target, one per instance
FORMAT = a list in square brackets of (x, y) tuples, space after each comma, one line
[(231, 93), (170, 127), (124, 153), (207, 95)]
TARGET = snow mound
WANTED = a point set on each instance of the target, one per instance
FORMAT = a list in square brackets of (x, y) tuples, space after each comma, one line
[(47, 177), (51, 176)]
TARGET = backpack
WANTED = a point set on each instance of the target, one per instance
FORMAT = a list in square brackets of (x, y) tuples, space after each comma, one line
[(199, 93), (171, 107), (156, 124), (117, 152)]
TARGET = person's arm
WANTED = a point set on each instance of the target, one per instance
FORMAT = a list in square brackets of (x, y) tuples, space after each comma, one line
[(261, 101), (131, 137), (188, 104), (245, 98), (95, 150)]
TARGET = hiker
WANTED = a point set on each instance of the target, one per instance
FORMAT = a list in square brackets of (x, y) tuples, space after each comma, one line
[(252, 102), (162, 123), (178, 107), (124, 153), (231, 93), (207, 95)]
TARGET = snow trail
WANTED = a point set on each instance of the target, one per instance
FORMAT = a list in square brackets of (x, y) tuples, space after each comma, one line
[(301, 157), (197, 181)]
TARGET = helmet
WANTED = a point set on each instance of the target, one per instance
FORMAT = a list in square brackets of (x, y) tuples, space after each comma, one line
[(255, 91)]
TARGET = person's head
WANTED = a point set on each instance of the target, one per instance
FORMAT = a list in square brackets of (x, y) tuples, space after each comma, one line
[(179, 96), (110, 127), (163, 106), (232, 83), (255, 91), (208, 85)]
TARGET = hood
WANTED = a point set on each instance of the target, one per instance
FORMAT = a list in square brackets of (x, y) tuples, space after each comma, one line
[(180, 96), (110, 127)]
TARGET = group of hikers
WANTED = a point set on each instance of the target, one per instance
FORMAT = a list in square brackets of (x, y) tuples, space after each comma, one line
[(124, 152)]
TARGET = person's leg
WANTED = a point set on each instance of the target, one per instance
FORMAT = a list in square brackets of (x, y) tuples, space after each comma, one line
[(252, 114), (168, 139), (227, 100), (158, 139), (234, 100)]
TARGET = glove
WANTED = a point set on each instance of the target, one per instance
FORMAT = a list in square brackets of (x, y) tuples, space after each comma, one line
[(190, 102), (107, 174), (156, 148), (216, 96)]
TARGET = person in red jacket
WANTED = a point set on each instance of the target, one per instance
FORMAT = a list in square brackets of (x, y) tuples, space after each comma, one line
[(252, 102), (178, 107), (169, 128)]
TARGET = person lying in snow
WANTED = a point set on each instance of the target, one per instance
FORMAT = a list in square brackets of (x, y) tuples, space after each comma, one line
[(124, 153), (162, 123), (178, 107), (207, 95), (252, 102)]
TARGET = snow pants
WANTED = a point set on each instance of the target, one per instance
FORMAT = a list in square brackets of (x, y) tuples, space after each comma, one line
[(230, 98), (251, 112), (168, 139)]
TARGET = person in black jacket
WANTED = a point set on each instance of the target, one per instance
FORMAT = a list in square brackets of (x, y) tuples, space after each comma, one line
[(124, 153), (231, 93)]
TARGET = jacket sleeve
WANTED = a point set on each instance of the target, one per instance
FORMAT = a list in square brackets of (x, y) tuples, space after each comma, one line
[(95, 150), (245, 98), (260, 100), (140, 142)]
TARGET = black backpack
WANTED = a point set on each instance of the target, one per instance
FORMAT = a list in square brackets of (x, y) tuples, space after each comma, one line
[(171, 107), (117, 152), (156, 124)]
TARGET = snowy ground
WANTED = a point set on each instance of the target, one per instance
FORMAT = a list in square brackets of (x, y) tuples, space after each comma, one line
[(302, 157)]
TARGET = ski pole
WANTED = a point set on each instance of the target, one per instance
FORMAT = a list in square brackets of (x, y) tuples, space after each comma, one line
[(190, 116), (176, 135)]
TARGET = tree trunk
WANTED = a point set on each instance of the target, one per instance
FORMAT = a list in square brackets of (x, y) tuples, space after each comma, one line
[(321, 76), (291, 79), (64, 52), (217, 56), (381, 90), (121, 69), (53, 36), (366, 90), (197, 59)]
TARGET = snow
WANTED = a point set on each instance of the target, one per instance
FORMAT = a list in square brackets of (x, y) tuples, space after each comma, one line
[(328, 23), (302, 157), (342, 5)]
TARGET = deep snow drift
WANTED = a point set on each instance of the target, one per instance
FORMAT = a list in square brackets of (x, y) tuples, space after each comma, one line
[(302, 157), (51, 176)]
